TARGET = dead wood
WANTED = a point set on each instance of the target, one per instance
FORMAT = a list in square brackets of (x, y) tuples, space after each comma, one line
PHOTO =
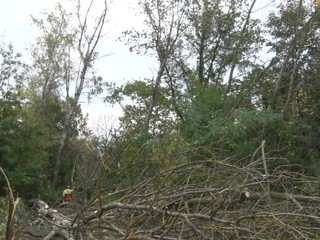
[(224, 203), (12, 207), (200, 200), (61, 225)]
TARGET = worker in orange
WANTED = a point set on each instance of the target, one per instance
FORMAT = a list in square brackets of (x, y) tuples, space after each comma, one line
[(67, 193)]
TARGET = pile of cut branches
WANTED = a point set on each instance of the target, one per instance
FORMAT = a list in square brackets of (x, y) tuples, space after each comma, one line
[(211, 199), (203, 200)]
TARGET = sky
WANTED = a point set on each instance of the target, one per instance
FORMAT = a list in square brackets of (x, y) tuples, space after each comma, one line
[(119, 66)]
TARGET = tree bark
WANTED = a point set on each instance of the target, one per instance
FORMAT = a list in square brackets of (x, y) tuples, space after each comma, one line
[(235, 58), (12, 207), (60, 224), (273, 100), (86, 49), (164, 48)]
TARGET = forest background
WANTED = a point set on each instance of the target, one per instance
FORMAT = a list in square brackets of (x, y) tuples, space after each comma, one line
[(227, 88)]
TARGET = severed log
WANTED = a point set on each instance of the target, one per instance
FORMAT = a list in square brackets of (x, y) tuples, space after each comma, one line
[(285, 196), (204, 200), (61, 225), (246, 195)]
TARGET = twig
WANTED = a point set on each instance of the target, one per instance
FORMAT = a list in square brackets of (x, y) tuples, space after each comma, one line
[(13, 204)]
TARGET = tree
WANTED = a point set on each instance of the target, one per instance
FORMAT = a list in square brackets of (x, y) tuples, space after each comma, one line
[(298, 23), (23, 151), (197, 171), (193, 42), (66, 60), (165, 21)]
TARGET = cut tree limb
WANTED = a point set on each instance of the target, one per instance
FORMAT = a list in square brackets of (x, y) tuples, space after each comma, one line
[(12, 207), (61, 225)]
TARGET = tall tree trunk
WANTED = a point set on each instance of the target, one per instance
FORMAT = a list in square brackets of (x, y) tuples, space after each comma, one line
[(235, 57), (291, 50), (288, 104), (62, 144), (86, 47), (71, 109), (155, 93), (165, 45)]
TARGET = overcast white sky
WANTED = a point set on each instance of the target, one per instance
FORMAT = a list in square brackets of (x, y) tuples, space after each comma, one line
[(16, 28)]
